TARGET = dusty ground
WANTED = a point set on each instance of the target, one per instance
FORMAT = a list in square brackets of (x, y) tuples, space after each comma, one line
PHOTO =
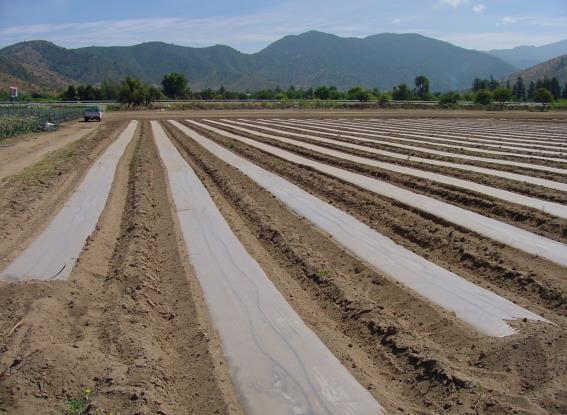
[(441, 371), (22, 151), (33, 195), (131, 322), (378, 113)]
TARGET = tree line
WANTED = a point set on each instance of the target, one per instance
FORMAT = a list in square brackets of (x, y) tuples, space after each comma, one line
[(174, 85), (544, 90), (134, 92)]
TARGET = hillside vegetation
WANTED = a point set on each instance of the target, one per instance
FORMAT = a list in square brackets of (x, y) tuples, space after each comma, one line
[(553, 68), (305, 60)]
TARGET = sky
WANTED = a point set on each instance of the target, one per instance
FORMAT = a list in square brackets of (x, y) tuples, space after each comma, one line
[(250, 25)]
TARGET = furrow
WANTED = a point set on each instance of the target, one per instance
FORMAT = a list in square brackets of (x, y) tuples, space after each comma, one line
[(484, 310), (555, 209), (463, 166), (53, 253), (275, 360), (422, 144), (451, 137), (502, 133), (496, 230)]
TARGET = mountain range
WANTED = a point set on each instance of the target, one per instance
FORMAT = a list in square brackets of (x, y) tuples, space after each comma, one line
[(306, 60), (310, 59), (556, 67), (523, 57)]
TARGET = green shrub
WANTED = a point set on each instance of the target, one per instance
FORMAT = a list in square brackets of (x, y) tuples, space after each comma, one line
[(483, 97), (560, 105)]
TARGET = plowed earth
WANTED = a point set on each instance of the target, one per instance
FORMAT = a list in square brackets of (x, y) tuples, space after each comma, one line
[(131, 322)]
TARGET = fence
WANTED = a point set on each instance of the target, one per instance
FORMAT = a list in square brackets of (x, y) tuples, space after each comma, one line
[(17, 119)]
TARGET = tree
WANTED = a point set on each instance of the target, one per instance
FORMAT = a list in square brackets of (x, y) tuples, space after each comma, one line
[(265, 94), (401, 93), (175, 85), (309, 94), (383, 99), (322, 92), (532, 91), (222, 92), (449, 98), (109, 90), (132, 92), (152, 94), (91, 94), (555, 88), (335, 94), (543, 96), (502, 95), (70, 94), (82, 92), (479, 84), (359, 93), (564, 96), (493, 84), (519, 89), (483, 97), (468, 96), (421, 86)]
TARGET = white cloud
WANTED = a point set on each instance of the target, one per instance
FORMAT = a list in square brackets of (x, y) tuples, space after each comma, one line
[(536, 21), (453, 3), (397, 21), (248, 32), (479, 8)]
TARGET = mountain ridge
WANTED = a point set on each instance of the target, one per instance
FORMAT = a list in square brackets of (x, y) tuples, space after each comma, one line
[(306, 60), (556, 67), (527, 56)]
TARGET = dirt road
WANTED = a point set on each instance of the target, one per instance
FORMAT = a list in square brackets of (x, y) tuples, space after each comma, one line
[(22, 151)]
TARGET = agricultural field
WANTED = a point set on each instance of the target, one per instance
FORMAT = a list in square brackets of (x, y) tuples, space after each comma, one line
[(19, 119), (286, 263)]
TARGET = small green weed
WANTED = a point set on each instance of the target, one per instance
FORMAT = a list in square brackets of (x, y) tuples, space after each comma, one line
[(83, 405), (323, 274)]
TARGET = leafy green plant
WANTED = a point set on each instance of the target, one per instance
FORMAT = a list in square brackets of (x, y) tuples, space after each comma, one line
[(543, 96), (483, 97), (449, 98), (18, 119), (323, 274), (79, 406), (384, 99), (83, 405)]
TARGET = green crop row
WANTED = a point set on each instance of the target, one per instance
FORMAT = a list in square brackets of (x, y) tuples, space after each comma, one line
[(18, 119), (13, 125)]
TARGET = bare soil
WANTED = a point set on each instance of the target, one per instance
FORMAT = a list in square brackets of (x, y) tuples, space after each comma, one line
[(131, 322), (530, 219), (559, 116), (30, 198), (418, 352), (22, 151), (416, 153), (516, 186)]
